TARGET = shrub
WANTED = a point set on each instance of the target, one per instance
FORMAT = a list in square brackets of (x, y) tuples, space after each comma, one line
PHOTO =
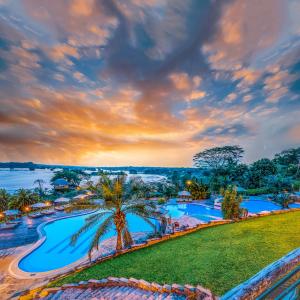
[(231, 204), (296, 185), (259, 191), (283, 199), (161, 201), (198, 190)]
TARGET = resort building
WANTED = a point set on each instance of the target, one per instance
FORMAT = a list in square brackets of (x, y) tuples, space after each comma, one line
[(61, 184), (184, 196)]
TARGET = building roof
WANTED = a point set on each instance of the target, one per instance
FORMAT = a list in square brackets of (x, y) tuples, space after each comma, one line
[(184, 193), (62, 200), (60, 181), (80, 196), (39, 205)]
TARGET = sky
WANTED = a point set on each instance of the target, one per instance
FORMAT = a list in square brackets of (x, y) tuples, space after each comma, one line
[(147, 82)]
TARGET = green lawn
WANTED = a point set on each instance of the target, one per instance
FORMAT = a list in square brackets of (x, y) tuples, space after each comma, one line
[(218, 258)]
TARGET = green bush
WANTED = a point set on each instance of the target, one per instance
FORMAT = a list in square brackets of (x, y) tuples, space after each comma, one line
[(231, 204), (161, 201), (260, 191), (296, 185)]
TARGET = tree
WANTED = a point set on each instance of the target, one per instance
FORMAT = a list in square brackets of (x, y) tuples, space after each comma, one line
[(218, 157), (4, 199), (288, 157), (73, 177), (23, 199), (278, 184), (283, 199), (121, 199), (260, 169), (231, 204), (239, 174), (198, 190), (176, 181), (167, 189), (40, 183)]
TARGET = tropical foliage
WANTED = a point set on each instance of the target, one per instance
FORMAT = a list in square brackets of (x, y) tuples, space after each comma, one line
[(283, 199), (231, 204), (22, 199), (219, 158), (4, 199), (221, 165), (40, 186), (121, 198), (72, 176), (198, 189)]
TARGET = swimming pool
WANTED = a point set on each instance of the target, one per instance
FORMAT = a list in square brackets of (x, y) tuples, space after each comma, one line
[(257, 204), (56, 251), (201, 212), (206, 212)]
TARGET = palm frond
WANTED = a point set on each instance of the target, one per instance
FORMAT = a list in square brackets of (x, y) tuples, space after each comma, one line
[(103, 228), (75, 207), (146, 219), (88, 225), (140, 208)]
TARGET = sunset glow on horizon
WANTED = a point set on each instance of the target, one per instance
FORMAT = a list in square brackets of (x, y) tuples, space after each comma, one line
[(147, 82)]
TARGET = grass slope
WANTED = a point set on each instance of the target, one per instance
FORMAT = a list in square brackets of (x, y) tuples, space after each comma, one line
[(217, 258)]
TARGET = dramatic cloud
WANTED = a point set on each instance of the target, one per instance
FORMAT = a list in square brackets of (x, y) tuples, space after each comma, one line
[(147, 82)]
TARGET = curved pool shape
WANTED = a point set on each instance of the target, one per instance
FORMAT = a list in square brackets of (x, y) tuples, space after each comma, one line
[(56, 252), (257, 204), (207, 213), (202, 212)]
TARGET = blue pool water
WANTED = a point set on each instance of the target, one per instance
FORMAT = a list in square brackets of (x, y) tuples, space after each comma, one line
[(257, 204), (208, 213), (56, 251), (201, 212)]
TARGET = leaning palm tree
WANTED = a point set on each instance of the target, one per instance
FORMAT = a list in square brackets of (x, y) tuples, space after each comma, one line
[(121, 198), (40, 183), (23, 199)]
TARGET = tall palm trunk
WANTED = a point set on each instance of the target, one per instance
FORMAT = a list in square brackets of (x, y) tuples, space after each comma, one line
[(119, 221), (119, 245)]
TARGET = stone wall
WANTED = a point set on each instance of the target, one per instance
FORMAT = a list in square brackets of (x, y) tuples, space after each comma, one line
[(190, 292)]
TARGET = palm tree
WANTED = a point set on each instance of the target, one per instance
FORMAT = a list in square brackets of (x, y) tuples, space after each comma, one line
[(4, 199), (40, 183), (23, 199), (122, 198)]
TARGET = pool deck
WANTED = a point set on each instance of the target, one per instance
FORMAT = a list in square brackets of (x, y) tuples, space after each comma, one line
[(11, 287), (13, 284), (26, 233), (15, 242)]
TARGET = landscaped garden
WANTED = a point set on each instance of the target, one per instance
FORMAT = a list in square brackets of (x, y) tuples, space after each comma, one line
[(217, 258)]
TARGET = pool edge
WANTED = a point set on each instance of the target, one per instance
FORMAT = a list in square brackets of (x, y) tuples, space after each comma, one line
[(18, 273)]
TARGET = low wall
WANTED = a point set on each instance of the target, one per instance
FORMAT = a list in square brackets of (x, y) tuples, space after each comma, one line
[(191, 292), (135, 247), (253, 287), (153, 241)]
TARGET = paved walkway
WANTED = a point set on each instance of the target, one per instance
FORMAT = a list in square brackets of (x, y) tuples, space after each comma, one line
[(10, 287)]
